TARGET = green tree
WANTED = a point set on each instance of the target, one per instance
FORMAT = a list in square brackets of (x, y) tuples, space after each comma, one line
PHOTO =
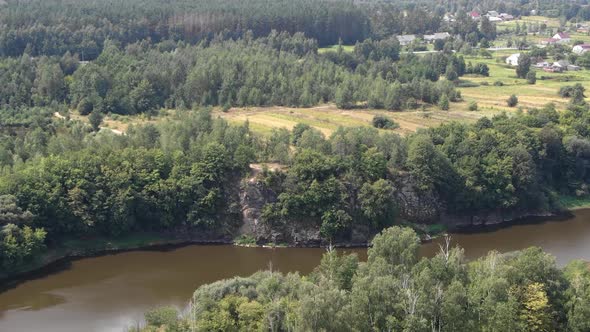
[(531, 77), (512, 101), (95, 118), (443, 103), (524, 65)]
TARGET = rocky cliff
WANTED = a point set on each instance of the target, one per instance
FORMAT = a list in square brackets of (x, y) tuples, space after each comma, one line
[(413, 206)]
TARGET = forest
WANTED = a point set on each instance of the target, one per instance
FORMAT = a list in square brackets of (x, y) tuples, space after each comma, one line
[(395, 291), (63, 180)]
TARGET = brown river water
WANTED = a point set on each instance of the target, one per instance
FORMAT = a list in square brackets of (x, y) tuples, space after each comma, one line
[(111, 292)]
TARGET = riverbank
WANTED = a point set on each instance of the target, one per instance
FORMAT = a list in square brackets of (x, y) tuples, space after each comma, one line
[(59, 257)]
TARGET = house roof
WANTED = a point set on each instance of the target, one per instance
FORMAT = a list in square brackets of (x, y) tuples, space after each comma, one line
[(406, 38), (437, 35), (562, 35), (474, 14), (513, 56), (584, 46), (561, 63)]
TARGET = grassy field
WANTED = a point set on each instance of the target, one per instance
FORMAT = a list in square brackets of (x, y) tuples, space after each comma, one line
[(490, 98), (345, 48), (327, 118)]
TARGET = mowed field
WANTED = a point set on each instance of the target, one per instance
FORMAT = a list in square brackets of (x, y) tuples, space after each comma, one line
[(327, 118), (493, 97)]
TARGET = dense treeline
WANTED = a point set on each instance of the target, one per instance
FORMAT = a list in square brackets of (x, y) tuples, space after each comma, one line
[(72, 183), (176, 175), (280, 69), (510, 164), (396, 291), (55, 27)]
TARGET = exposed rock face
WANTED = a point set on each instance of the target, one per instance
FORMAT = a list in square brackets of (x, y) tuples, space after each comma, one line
[(419, 207), (253, 197)]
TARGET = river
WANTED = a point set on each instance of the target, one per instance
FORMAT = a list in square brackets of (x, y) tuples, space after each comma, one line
[(111, 292)]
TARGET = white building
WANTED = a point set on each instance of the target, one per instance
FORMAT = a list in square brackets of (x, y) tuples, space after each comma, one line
[(437, 36), (513, 59), (406, 39), (581, 49), (562, 37)]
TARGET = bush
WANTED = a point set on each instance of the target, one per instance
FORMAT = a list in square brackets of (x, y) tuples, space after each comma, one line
[(472, 106), (85, 107), (167, 316), (383, 122), (498, 83), (443, 103), (531, 77), (512, 101)]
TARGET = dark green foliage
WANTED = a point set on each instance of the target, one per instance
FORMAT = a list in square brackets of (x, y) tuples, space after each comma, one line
[(531, 77), (383, 122), (95, 119), (524, 65), (83, 28), (512, 101)]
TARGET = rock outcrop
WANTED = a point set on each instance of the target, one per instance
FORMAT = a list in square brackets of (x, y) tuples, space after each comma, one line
[(413, 206)]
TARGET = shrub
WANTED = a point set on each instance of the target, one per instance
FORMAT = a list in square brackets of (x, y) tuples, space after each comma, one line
[(383, 122), (531, 77), (85, 107), (443, 103), (498, 83), (167, 316), (472, 106), (512, 101)]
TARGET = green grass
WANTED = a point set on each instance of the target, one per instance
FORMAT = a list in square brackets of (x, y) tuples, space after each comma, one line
[(334, 48), (245, 240)]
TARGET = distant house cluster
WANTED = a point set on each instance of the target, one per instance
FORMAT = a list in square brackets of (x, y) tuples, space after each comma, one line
[(558, 38), (408, 39), (555, 67), (492, 15)]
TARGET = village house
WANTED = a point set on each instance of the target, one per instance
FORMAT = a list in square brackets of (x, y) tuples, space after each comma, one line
[(513, 59), (561, 66), (492, 13), (558, 38), (506, 17), (406, 39), (581, 49), (542, 64), (475, 15), (437, 36), (562, 37)]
